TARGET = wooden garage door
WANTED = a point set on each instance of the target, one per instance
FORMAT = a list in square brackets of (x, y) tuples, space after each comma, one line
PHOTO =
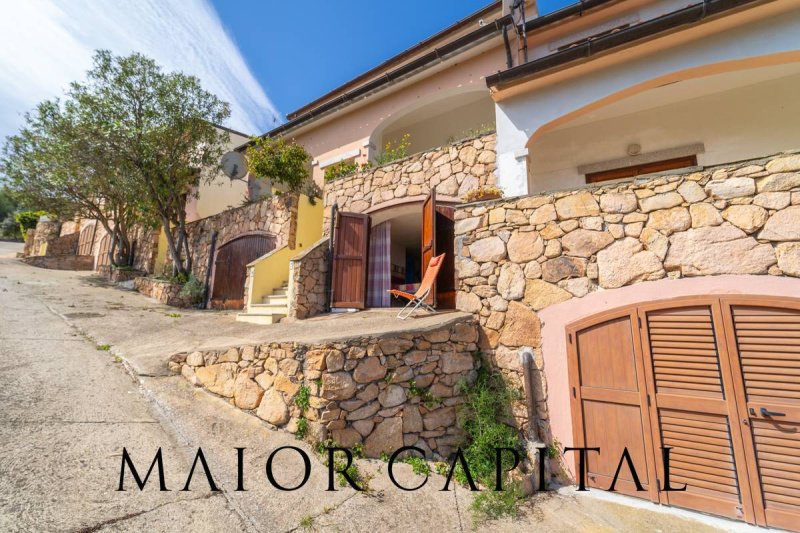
[(719, 386), (86, 240), (230, 269), (765, 341)]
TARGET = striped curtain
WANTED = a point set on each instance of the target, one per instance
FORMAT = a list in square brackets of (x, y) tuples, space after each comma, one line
[(379, 276)]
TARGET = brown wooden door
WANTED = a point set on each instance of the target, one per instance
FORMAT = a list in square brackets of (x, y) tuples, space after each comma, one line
[(764, 335), (102, 256), (350, 250), (429, 239), (607, 394), (438, 236), (693, 408), (230, 269), (722, 391), (86, 240)]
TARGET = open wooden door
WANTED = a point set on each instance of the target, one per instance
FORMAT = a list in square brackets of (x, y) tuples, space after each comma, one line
[(350, 250), (438, 235)]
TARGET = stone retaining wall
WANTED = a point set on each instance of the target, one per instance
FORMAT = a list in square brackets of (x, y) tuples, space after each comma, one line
[(451, 170), (165, 292), (272, 215), (63, 245), (518, 256), (308, 281), (46, 231), (385, 392), (62, 262)]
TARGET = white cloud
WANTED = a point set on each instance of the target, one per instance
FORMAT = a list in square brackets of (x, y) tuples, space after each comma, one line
[(45, 44)]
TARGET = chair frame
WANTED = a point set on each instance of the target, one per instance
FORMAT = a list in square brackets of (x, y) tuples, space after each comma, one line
[(417, 300)]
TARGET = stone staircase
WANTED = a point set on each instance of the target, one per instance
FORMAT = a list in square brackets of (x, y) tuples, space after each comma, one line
[(271, 309)]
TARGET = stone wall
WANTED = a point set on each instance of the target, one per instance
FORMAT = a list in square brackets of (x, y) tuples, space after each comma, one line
[(518, 256), (144, 255), (63, 245), (385, 392), (272, 215), (451, 170), (30, 238), (46, 231), (165, 292), (308, 281), (62, 262)]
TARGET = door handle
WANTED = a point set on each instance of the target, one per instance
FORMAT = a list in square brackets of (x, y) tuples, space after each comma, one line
[(768, 413)]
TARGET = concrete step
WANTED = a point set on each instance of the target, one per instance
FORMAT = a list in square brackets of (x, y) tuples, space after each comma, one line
[(259, 318), (281, 291), (275, 300)]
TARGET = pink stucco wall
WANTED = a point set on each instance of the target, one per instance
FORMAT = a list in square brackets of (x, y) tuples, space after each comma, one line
[(557, 317)]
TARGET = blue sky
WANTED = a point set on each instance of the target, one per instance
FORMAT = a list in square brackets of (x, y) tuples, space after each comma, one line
[(265, 58)]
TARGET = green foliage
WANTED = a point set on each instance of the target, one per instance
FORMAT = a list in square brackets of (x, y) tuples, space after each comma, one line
[(491, 505), (358, 450), (279, 160), (483, 129), (425, 395), (9, 229), (192, 290), (303, 397), (418, 465), (344, 168), (554, 450), (8, 224), (302, 427), (482, 416), (394, 151), (307, 521), (441, 468), (103, 347), (174, 315), (27, 220)]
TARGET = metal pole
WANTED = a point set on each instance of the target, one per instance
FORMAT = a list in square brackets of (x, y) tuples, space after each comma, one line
[(211, 252), (329, 276), (526, 358)]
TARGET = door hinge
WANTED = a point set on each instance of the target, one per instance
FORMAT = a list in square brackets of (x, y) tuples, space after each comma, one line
[(639, 320), (739, 511), (570, 338), (574, 393), (658, 485), (648, 401)]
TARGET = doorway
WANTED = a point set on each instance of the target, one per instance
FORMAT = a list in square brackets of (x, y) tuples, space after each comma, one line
[(715, 380), (390, 249), (230, 268)]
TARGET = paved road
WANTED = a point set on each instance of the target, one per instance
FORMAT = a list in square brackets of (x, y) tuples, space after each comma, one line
[(68, 409)]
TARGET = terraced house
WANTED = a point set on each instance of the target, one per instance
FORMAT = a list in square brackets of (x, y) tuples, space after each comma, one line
[(638, 281)]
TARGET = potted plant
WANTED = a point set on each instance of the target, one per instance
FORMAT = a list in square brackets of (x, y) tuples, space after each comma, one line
[(483, 192)]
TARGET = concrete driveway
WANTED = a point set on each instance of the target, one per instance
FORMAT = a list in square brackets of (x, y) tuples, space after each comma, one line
[(69, 409)]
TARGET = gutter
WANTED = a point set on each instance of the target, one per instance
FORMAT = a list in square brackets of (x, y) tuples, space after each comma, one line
[(641, 32)]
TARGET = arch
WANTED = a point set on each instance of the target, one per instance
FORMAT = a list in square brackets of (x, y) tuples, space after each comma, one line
[(690, 73), (417, 118), (229, 268)]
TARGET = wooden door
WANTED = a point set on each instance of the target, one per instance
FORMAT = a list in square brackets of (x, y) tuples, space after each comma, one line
[(429, 239), (102, 256), (764, 336), (230, 269), (86, 240), (350, 250), (607, 394), (693, 409), (438, 236)]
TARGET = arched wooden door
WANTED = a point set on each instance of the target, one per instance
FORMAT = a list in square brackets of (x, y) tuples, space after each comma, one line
[(86, 240), (230, 269), (102, 254), (715, 379)]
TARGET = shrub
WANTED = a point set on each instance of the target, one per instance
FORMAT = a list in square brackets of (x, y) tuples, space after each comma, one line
[(279, 160), (393, 152), (192, 290), (27, 220)]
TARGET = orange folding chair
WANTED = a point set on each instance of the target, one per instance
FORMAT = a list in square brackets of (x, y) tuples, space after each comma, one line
[(417, 300)]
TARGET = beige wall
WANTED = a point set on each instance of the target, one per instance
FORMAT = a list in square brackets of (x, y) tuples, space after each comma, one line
[(737, 124), (221, 193)]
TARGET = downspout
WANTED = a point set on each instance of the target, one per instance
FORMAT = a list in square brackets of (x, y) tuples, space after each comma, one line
[(329, 276), (509, 58), (211, 252), (526, 358)]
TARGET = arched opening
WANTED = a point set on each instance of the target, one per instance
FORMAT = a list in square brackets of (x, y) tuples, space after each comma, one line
[(437, 120), (701, 117)]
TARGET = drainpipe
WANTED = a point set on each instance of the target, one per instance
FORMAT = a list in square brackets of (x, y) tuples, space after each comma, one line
[(329, 276), (526, 359), (509, 58), (211, 252)]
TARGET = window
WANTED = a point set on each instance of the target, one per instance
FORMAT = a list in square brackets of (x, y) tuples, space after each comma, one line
[(644, 168)]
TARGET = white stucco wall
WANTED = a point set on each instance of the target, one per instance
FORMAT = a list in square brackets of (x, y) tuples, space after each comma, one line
[(520, 116), (742, 123)]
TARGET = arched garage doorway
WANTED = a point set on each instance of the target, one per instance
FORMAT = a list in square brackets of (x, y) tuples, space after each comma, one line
[(712, 378), (230, 268)]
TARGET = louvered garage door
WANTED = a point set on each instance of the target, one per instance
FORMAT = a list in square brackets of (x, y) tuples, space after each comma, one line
[(722, 392), (765, 342)]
